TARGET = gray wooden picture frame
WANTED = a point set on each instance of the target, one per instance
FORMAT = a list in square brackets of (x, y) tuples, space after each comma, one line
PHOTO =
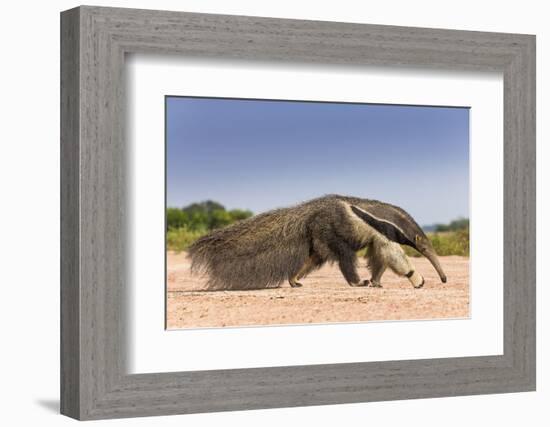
[(94, 382)]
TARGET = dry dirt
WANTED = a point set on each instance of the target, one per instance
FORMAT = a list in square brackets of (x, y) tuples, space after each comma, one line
[(324, 297)]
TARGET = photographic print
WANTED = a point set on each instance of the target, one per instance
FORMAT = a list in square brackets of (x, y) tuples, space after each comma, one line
[(288, 212)]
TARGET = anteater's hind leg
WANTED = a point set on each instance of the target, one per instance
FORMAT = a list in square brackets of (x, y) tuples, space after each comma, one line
[(314, 261), (311, 263), (293, 283)]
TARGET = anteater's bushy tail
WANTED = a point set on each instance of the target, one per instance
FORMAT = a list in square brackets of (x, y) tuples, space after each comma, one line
[(258, 252)]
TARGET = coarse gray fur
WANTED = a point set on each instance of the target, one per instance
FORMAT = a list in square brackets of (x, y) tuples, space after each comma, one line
[(287, 244)]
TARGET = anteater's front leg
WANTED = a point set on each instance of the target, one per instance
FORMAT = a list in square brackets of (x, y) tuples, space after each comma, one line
[(392, 255), (377, 269)]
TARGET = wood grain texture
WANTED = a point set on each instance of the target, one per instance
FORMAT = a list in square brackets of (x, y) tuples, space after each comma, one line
[(70, 258), (94, 231)]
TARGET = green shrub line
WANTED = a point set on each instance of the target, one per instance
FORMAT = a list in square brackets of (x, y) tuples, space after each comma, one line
[(189, 223), (445, 243), (185, 225), (179, 239), (202, 216)]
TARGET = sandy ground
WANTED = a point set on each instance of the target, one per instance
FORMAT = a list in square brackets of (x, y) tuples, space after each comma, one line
[(324, 297)]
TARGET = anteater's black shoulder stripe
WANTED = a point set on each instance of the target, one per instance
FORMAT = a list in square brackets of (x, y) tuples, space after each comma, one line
[(387, 228)]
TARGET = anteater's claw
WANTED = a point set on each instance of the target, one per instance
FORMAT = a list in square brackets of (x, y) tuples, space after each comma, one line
[(421, 284), (361, 283)]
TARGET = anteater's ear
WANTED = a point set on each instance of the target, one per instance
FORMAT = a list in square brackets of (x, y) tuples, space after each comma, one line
[(384, 226)]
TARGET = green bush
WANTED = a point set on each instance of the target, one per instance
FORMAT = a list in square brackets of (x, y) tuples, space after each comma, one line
[(456, 225), (176, 218), (452, 242), (219, 218), (179, 239), (239, 214), (447, 243), (185, 225), (207, 215)]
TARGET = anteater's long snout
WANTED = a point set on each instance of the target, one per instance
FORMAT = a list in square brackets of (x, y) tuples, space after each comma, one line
[(432, 257)]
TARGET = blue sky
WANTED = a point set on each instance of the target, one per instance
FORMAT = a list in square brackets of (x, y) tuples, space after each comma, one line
[(259, 155)]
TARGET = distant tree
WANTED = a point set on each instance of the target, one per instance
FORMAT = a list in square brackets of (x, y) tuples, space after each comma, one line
[(203, 216), (206, 207)]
